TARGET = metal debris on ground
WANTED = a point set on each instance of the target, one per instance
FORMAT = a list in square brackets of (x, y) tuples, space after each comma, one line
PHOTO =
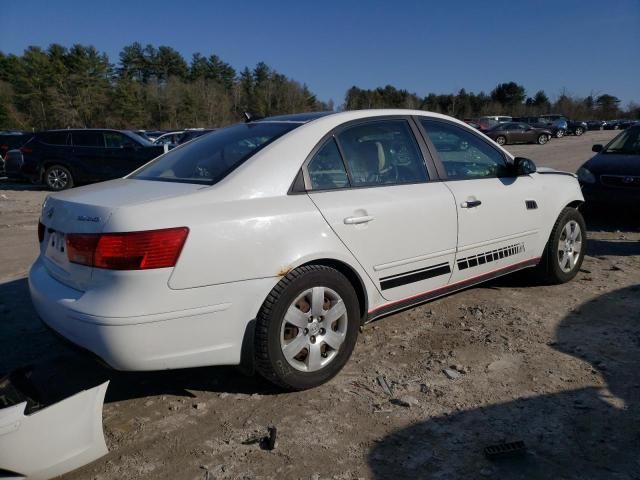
[(386, 388), (270, 441), (505, 449), (450, 373)]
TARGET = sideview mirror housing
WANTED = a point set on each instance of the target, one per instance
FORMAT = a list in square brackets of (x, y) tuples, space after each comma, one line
[(596, 148), (523, 166)]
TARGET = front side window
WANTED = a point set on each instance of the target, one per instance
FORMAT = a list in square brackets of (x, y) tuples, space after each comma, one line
[(118, 140), (326, 168), (382, 153), (210, 158), (463, 154), (87, 139)]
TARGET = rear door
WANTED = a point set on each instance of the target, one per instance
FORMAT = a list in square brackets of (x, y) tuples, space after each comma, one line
[(498, 219), (370, 182)]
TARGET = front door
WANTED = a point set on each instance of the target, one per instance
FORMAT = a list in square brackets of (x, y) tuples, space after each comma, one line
[(371, 184), (498, 219)]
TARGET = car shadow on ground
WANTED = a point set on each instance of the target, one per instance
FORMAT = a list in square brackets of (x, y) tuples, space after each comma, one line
[(58, 369), (589, 433), (11, 185)]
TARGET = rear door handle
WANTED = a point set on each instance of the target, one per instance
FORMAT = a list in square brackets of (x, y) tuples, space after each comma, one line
[(471, 204), (357, 220)]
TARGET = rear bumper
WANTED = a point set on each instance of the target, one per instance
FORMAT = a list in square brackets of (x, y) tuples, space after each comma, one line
[(206, 334)]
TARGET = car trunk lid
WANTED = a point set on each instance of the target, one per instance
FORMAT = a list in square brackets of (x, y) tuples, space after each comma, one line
[(86, 211)]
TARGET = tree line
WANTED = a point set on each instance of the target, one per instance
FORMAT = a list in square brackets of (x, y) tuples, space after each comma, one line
[(155, 87), (505, 99), (149, 87)]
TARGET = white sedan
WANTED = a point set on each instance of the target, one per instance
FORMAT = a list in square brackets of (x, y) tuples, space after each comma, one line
[(269, 243)]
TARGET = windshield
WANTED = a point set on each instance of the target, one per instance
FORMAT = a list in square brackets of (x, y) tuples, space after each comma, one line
[(627, 143), (210, 158), (139, 138)]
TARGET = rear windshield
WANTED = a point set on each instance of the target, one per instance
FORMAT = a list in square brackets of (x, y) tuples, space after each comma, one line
[(210, 158)]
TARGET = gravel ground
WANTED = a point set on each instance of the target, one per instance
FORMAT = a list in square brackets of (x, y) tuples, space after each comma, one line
[(555, 367)]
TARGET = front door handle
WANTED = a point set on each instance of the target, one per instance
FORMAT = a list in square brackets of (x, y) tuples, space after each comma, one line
[(471, 204), (358, 220)]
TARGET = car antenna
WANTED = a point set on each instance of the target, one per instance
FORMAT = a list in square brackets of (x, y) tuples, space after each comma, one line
[(250, 117)]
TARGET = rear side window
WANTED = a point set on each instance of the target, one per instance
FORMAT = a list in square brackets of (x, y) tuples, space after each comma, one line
[(382, 152), (87, 139), (210, 158), (326, 168), (463, 154), (55, 138)]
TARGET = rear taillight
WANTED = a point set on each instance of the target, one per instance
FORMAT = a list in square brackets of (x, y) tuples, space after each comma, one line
[(26, 150), (40, 232), (127, 251)]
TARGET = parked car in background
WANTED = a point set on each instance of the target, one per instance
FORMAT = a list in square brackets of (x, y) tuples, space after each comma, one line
[(170, 138), (271, 242), (596, 125), (12, 139), (150, 135), (61, 159), (612, 177), (192, 133), (490, 121), (517, 132), (560, 122)]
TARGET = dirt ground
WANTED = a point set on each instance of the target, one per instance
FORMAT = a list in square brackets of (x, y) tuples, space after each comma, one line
[(553, 366)]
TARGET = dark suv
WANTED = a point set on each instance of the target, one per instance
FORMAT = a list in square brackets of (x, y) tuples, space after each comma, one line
[(62, 158)]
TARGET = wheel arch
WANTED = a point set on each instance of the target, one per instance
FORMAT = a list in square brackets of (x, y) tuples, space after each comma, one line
[(354, 278), (50, 162)]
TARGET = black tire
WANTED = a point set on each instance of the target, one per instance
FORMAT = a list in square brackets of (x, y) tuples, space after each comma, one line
[(57, 178), (579, 131), (560, 133), (501, 140), (270, 360), (549, 268), (542, 139)]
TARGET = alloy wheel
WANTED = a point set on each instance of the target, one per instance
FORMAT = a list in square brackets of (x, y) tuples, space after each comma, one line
[(57, 178), (569, 246)]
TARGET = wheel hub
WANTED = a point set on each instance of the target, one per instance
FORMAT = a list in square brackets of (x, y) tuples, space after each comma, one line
[(314, 327)]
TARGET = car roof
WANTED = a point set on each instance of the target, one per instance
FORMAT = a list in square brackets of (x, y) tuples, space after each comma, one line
[(295, 117)]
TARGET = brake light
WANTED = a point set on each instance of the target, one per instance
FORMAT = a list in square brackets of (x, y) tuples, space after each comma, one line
[(127, 251), (40, 232), (26, 150)]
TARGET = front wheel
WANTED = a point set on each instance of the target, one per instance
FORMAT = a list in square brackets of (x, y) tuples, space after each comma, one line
[(306, 328), (560, 133), (565, 250), (58, 178), (579, 131), (542, 139), (501, 140)]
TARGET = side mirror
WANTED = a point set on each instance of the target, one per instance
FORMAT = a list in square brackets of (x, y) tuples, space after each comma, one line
[(596, 148), (523, 166)]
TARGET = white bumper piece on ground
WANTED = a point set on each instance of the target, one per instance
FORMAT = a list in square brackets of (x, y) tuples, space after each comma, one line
[(55, 440)]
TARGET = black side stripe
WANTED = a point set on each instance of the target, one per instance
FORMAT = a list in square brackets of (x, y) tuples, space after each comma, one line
[(491, 256), (393, 281)]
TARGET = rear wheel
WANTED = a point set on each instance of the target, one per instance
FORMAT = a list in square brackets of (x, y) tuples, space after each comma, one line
[(579, 131), (307, 328), (58, 178), (542, 139), (501, 140), (560, 133), (565, 250)]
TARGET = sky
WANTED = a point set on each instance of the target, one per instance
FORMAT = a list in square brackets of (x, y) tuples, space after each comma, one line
[(580, 47)]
